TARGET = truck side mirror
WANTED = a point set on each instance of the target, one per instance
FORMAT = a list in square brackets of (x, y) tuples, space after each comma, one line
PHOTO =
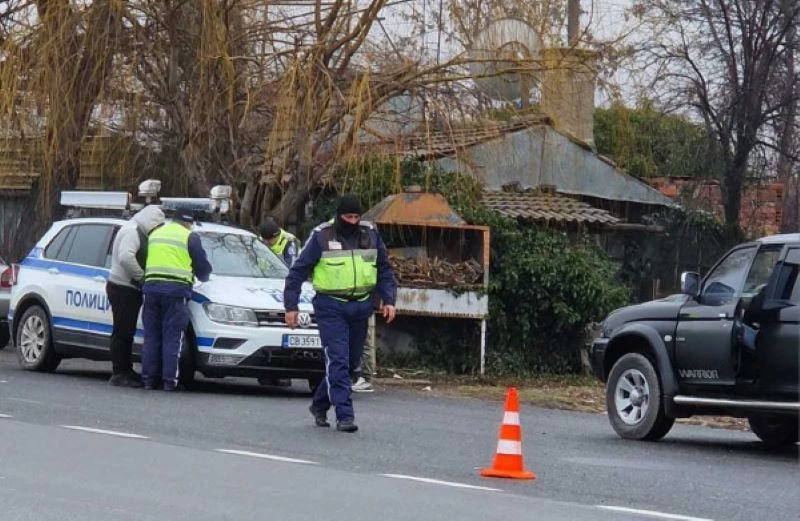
[(690, 283)]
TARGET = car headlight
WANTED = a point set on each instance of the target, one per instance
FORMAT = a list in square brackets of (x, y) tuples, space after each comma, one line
[(230, 314)]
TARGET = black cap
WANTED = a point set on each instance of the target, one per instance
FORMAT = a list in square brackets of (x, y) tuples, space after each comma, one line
[(349, 203), (269, 229)]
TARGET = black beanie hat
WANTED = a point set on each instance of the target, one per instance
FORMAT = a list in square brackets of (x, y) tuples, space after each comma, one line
[(269, 229), (349, 203)]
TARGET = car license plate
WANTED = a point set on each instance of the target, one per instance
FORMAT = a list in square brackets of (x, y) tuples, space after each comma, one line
[(302, 341)]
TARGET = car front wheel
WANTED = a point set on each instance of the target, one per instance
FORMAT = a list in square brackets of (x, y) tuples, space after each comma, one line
[(34, 341), (634, 401)]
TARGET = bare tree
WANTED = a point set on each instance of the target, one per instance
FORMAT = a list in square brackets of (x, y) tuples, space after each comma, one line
[(62, 62), (723, 59)]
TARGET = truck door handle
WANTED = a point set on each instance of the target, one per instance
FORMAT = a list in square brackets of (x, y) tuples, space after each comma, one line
[(53, 271), (723, 315)]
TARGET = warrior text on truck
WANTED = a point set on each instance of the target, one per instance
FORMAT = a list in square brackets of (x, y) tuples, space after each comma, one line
[(727, 345)]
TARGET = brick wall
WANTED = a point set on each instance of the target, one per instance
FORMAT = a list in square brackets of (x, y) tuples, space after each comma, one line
[(761, 208)]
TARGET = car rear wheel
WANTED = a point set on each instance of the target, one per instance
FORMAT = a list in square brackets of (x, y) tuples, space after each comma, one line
[(634, 401), (34, 341), (775, 431)]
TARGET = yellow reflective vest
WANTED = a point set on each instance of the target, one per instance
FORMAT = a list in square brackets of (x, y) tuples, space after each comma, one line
[(168, 256), (283, 241), (351, 274)]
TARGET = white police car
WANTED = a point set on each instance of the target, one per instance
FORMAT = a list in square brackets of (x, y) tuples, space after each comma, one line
[(59, 309)]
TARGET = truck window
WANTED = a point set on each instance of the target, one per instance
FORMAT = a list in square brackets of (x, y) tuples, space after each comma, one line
[(761, 269), (724, 283)]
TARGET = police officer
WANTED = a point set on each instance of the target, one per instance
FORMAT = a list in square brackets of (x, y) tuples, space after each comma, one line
[(281, 242), (175, 257), (347, 261)]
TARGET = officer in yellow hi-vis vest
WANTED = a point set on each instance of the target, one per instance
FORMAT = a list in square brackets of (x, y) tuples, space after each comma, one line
[(347, 261), (175, 257), (282, 243)]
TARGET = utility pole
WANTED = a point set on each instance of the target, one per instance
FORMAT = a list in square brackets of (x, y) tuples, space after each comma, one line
[(573, 22)]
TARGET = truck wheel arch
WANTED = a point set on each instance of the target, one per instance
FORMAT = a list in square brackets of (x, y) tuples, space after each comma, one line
[(638, 338)]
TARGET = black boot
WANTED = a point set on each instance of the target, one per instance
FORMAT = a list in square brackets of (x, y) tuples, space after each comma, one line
[(346, 425), (320, 417)]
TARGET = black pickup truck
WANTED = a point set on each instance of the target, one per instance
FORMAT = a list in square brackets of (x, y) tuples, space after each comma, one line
[(727, 345)]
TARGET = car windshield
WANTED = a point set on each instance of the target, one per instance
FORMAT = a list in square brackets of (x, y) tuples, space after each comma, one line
[(238, 255)]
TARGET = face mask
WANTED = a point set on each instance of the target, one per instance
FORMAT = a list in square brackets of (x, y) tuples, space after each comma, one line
[(345, 227)]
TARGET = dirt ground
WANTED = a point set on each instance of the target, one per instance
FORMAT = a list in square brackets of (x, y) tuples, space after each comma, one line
[(576, 393)]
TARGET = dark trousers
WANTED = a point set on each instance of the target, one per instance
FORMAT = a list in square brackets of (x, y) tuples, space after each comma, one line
[(165, 320), (125, 305), (343, 329)]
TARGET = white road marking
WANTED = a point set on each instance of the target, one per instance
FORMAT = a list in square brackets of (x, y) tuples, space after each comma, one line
[(3, 381), (5, 416), (103, 431), (267, 456), (438, 482), (653, 513), (23, 400)]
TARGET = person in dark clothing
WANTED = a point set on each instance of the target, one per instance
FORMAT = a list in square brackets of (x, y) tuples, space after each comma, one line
[(124, 291), (175, 256), (346, 260)]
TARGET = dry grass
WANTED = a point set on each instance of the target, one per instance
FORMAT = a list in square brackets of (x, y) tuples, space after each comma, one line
[(573, 393)]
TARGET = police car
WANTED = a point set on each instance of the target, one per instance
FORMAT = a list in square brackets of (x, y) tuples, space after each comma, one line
[(59, 309)]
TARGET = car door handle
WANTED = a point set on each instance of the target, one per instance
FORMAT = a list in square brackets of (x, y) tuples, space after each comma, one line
[(99, 278), (53, 271)]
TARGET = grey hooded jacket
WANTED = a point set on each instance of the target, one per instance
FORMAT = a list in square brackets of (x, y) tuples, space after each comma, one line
[(126, 269)]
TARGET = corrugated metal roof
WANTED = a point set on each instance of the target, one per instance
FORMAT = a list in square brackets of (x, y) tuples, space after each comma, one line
[(539, 205), (526, 150)]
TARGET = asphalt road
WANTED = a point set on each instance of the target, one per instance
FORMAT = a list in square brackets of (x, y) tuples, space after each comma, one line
[(72, 447)]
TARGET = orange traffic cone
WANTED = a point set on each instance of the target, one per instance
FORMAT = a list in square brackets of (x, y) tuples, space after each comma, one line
[(508, 458)]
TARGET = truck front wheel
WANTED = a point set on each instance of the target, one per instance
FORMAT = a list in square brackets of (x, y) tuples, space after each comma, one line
[(634, 400)]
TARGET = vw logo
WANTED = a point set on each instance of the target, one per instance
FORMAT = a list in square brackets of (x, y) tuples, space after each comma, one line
[(304, 320)]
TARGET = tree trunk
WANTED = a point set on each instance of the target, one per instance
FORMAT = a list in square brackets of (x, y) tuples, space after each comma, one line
[(786, 126)]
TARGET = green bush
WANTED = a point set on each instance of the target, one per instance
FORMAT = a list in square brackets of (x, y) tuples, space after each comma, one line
[(543, 290)]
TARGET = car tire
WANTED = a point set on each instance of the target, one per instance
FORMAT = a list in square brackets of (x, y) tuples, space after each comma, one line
[(774, 430), (188, 361), (634, 401), (313, 383), (34, 341), (5, 335)]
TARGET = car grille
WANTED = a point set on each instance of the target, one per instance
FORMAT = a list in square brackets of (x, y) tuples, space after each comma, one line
[(277, 319)]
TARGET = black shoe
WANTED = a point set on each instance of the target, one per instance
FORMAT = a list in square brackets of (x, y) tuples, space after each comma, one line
[(125, 380), (320, 417), (152, 386), (173, 387), (346, 426)]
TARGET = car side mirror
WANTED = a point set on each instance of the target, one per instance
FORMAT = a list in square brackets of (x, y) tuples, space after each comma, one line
[(690, 283)]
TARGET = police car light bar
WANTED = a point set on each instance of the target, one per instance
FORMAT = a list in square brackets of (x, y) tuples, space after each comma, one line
[(100, 200), (190, 204)]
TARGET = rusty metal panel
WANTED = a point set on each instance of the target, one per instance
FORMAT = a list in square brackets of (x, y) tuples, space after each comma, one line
[(414, 208), (441, 303)]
